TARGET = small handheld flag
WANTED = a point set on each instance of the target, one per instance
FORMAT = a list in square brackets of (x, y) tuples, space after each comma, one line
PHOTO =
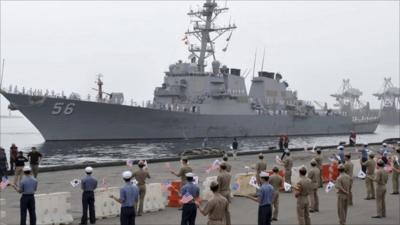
[(287, 186), (75, 182), (186, 198), (278, 160), (253, 182), (361, 174), (4, 183), (129, 163), (196, 180), (329, 187)]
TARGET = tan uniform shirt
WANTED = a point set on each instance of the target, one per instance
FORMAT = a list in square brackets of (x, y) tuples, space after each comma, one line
[(348, 168), (343, 181), (370, 164), (276, 181), (396, 164), (228, 166), (141, 176), (261, 166), (305, 185), (224, 181), (183, 171), (288, 163), (313, 174), (318, 159), (381, 177), (216, 208)]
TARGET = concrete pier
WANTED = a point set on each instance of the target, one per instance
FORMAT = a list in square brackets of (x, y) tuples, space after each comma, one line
[(243, 211)]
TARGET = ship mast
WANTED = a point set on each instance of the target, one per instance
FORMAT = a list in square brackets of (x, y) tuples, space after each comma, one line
[(203, 27), (99, 83)]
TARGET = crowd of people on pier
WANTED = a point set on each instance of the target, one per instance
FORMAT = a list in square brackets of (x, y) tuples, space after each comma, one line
[(374, 170)]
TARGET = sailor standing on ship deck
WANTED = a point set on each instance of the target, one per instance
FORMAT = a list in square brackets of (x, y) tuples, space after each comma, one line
[(88, 185)]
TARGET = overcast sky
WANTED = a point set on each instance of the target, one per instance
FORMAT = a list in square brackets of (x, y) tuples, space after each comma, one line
[(314, 44)]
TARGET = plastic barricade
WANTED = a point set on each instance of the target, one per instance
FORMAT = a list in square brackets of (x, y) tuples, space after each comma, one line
[(243, 179), (2, 211), (153, 200), (105, 206), (206, 193), (325, 172), (357, 167), (174, 197), (53, 208), (334, 171), (295, 175)]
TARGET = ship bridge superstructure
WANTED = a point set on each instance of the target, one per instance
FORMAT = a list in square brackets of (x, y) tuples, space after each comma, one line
[(188, 86)]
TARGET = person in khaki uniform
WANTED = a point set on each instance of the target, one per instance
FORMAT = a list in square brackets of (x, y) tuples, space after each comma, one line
[(396, 172), (381, 178), (313, 175), (302, 190), (370, 164), (217, 207), (343, 184), (141, 175), (318, 159), (184, 170), (224, 183), (225, 161), (349, 169), (260, 166), (277, 182), (288, 164)]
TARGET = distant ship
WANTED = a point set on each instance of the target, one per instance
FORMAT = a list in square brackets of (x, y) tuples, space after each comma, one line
[(192, 102), (390, 103)]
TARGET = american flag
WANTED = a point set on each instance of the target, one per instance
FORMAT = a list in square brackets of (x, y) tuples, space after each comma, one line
[(186, 198), (4, 183), (166, 185)]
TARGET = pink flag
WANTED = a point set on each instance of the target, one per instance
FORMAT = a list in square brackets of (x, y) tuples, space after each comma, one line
[(4, 183)]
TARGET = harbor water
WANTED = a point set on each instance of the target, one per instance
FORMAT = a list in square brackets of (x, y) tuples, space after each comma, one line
[(20, 131)]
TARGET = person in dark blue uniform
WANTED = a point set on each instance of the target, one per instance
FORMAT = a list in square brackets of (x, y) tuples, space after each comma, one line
[(27, 188), (128, 197), (364, 157), (264, 198), (88, 185), (189, 209)]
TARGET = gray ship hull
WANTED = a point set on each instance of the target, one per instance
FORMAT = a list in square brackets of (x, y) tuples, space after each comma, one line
[(390, 117), (86, 120)]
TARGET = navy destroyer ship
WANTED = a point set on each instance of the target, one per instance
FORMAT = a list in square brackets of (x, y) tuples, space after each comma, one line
[(194, 101)]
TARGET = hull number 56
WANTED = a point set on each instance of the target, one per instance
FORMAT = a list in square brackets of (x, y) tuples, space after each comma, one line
[(61, 107)]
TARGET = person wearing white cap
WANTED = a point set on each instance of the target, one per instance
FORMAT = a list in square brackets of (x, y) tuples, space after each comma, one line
[(385, 153), (265, 195), (88, 185), (341, 153), (189, 192), (364, 157), (27, 188), (128, 197)]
